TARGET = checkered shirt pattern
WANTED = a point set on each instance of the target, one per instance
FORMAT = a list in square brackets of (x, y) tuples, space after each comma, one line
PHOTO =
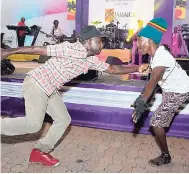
[(68, 60)]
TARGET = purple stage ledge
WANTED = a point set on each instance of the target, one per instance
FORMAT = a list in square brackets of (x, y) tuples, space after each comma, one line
[(101, 116)]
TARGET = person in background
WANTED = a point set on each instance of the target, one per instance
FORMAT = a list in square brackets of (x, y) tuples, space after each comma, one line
[(21, 33), (56, 32), (73, 34), (171, 78), (176, 43), (134, 48), (41, 88)]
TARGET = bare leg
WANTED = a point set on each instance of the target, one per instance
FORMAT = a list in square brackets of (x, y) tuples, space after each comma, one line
[(160, 138), (158, 143)]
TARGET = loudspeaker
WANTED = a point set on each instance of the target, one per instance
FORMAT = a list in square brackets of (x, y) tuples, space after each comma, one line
[(7, 68), (43, 59), (92, 74), (184, 64)]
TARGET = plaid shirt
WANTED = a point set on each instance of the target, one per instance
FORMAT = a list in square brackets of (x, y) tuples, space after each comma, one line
[(68, 61)]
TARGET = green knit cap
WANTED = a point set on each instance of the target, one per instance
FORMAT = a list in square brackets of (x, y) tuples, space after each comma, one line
[(154, 29)]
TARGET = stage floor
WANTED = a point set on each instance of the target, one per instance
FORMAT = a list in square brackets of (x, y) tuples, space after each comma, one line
[(104, 103), (103, 78)]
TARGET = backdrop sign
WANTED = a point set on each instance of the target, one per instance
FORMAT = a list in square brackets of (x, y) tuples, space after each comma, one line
[(71, 9), (124, 12)]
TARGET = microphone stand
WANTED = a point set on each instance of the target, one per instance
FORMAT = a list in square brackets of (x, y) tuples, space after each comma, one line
[(117, 33), (125, 26)]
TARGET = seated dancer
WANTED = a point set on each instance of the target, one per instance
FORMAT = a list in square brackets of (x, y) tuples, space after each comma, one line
[(41, 88), (57, 32), (171, 78)]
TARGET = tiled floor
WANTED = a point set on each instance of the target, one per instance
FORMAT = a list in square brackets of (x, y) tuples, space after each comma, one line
[(94, 150)]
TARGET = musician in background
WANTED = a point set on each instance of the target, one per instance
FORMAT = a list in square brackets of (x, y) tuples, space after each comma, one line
[(57, 33), (21, 33)]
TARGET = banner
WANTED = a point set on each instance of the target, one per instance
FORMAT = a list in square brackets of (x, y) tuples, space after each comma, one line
[(71, 9), (125, 13), (180, 9)]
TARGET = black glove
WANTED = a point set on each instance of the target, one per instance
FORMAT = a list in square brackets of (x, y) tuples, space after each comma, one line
[(140, 106), (134, 104)]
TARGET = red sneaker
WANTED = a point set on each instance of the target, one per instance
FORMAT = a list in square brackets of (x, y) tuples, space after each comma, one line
[(46, 159)]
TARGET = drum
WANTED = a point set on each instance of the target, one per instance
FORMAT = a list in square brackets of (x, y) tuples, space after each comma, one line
[(121, 34), (101, 29)]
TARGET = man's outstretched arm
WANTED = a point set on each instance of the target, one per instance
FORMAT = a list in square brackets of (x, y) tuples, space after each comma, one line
[(119, 69), (39, 50), (125, 69)]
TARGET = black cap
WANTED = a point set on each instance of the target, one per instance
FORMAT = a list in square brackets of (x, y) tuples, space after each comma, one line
[(89, 32)]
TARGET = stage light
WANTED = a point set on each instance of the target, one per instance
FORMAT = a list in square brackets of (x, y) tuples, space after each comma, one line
[(130, 34)]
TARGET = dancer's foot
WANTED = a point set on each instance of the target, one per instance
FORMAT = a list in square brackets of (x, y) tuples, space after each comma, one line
[(46, 159), (164, 158)]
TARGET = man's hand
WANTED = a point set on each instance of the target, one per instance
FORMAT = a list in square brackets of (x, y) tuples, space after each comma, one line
[(140, 106), (4, 53), (144, 68)]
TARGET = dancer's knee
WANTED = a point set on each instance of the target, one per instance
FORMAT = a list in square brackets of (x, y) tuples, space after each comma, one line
[(34, 127), (65, 121)]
